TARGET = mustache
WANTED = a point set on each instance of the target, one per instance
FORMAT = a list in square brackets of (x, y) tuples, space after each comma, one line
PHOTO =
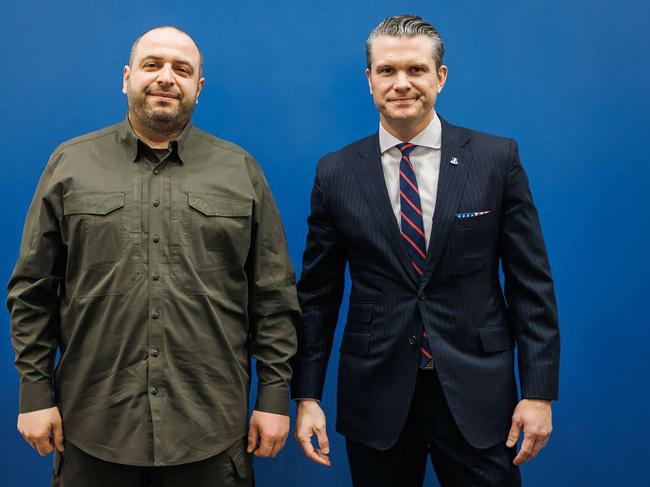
[(170, 94)]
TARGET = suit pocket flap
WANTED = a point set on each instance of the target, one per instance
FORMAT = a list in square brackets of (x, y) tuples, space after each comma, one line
[(356, 344), (92, 203), (496, 338), (217, 205), (360, 312)]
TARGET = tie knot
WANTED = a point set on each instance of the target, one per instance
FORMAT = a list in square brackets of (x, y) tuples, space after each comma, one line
[(406, 148)]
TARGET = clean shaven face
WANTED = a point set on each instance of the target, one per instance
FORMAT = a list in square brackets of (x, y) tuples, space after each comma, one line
[(404, 81)]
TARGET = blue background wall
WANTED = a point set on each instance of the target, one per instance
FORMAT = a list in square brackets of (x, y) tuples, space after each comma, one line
[(568, 80)]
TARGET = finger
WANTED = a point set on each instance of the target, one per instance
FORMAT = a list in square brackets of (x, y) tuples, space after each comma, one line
[(265, 448), (308, 450), (323, 441), (43, 446), (537, 447), (252, 438), (57, 436), (525, 451), (277, 446), (513, 434)]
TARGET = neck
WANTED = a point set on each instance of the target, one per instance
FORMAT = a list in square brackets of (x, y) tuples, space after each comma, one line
[(156, 139), (405, 130)]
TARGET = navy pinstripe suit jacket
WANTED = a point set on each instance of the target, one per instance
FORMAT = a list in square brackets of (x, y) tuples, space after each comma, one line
[(472, 321)]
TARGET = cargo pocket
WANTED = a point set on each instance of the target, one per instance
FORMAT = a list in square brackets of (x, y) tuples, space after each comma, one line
[(56, 468), (242, 464), (95, 226), (215, 233)]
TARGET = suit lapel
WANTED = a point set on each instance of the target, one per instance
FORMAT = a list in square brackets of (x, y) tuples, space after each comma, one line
[(370, 177), (455, 162)]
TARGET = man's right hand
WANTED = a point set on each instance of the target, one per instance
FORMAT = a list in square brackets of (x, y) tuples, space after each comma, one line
[(310, 421), (42, 429)]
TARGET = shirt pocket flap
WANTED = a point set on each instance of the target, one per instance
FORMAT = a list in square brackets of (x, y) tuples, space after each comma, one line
[(356, 344), (92, 203), (496, 338), (217, 205), (360, 312)]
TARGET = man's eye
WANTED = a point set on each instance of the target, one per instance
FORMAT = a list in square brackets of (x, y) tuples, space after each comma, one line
[(150, 65)]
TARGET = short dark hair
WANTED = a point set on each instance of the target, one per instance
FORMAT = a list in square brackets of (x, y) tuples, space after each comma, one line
[(135, 44), (407, 26)]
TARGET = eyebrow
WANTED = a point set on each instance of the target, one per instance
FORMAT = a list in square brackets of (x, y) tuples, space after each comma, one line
[(174, 61), (409, 65)]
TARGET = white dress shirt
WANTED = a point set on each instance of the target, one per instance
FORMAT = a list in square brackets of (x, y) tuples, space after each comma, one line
[(425, 159)]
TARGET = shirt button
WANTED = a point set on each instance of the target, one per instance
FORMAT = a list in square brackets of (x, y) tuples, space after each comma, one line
[(154, 390), (156, 239), (155, 352), (413, 340), (156, 171), (156, 203), (421, 296), (155, 277), (155, 315)]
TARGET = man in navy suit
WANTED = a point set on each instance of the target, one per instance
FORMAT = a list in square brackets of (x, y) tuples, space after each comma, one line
[(424, 213)]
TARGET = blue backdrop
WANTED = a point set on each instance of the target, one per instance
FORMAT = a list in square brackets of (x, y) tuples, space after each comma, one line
[(568, 80)]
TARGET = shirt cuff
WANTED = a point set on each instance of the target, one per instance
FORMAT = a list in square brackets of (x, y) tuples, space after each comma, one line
[(273, 400), (36, 396)]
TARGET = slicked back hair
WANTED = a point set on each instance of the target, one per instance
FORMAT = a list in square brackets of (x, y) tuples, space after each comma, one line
[(407, 26), (135, 44)]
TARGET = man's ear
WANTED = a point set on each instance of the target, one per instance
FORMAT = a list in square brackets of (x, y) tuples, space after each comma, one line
[(368, 76), (125, 79)]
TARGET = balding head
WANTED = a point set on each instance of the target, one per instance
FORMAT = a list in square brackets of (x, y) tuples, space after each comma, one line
[(156, 34)]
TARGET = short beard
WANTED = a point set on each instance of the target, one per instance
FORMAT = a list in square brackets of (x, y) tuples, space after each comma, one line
[(156, 122)]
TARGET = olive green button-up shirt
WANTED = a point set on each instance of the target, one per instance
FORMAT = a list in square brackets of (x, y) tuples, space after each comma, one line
[(157, 280)]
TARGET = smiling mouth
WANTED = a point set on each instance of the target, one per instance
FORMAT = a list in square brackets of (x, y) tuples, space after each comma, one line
[(168, 96)]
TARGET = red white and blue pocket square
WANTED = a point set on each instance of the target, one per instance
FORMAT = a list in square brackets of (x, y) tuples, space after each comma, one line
[(471, 214)]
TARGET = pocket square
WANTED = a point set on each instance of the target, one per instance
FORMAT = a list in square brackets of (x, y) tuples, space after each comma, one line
[(472, 214)]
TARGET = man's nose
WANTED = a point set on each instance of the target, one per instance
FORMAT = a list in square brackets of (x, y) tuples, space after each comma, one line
[(402, 81), (166, 75)]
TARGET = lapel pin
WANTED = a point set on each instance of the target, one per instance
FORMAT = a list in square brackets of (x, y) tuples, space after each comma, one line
[(454, 161)]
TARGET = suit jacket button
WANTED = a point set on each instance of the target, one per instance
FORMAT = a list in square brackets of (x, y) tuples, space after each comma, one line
[(421, 295), (413, 340)]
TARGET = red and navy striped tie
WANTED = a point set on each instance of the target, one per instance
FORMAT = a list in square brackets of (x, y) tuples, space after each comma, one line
[(413, 230)]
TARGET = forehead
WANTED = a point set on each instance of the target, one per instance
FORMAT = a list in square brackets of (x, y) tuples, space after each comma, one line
[(390, 49), (167, 43)]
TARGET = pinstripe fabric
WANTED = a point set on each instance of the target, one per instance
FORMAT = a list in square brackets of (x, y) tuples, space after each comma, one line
[(472, 323)]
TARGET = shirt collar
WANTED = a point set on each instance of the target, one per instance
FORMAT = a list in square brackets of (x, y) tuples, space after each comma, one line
[(130, 140), (430, 136)]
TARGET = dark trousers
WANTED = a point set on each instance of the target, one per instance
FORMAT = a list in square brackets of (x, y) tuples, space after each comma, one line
[(430, 429), (231, 468)]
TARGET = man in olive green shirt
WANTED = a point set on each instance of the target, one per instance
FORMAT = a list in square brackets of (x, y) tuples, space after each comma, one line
[(154, 259)]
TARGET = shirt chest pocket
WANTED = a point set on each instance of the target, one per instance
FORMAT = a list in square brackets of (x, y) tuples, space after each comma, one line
[(219, 230), (95, 227)]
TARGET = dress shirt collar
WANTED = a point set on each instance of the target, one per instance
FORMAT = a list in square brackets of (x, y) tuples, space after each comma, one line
[(430, 136), (128, 137)]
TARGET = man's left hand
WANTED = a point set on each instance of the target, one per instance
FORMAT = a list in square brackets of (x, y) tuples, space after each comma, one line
[(534, 417), (267, 433)]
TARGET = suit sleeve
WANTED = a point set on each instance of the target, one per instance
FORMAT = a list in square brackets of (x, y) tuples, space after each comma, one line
[(532, 310), (33, 296), (273, 304), (320, 291)]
